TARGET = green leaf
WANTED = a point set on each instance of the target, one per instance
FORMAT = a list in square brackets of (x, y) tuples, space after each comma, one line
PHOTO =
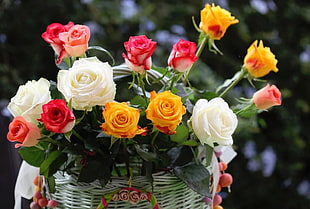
[(68, 135), (52, 163), (180, 156), (95, 169), (227, 82), (55, 93), (148, 156), (32, 155), (64, 64), (99, 48), (181, 134), (139, 101), (75, 149), (195, 176), (191, 143), (51, 184)]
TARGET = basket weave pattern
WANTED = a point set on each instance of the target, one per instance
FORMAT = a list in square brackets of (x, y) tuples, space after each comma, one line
[(170, 192)]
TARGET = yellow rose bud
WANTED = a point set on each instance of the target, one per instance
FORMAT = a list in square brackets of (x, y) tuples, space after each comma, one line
[(215, 21), (165, 111), (121, 120), (259, 60)]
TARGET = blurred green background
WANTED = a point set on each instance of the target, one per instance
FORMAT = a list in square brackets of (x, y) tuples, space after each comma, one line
[(273, 163)]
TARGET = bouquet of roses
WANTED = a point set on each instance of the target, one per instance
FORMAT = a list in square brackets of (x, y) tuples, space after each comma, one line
[(99, 117)]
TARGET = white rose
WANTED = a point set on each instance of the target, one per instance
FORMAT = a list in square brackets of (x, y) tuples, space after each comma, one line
[(89, 82), (213, 122), (29, 99)]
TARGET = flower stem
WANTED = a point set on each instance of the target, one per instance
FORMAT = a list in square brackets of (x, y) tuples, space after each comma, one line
[(141, 85), (154, 137), (77, 135), (175, 79), (246, 108), (198, 52), (49, 140), (202, 45), (235, 82)]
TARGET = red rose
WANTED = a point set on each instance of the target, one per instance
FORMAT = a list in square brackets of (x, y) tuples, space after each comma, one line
[(24, 132), (267, 97), (182, 55), (57, 117), (51, 36), (139, 51)]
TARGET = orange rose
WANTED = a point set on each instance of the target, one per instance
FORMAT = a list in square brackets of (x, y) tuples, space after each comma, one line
[(215, 21), (259, 60), (165, 111), (121, 121), (24, 132), (76, 40), (267, 97)]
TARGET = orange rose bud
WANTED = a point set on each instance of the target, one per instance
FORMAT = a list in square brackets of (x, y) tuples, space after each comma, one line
[(259, 60), (215, 21), (267, 97), (165, 111), (23, 132), (121, 120)]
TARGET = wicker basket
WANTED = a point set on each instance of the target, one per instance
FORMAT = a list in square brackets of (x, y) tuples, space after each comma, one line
[(170, 192)]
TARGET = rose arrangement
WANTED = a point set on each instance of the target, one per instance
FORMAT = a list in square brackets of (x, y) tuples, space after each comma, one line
[(80, 123)]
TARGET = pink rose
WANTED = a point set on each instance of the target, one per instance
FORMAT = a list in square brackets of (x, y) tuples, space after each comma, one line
[(267, 97), (57, 117), (51, 36), (76, 40), (123, 194), (139, 51), (116, 197), (182, 55), (143, 196), (23, 132), (134, 197)]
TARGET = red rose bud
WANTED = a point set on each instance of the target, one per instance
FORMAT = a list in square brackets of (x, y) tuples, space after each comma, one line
[(182, 55), (57, 117), (51, 36), (139, 51)]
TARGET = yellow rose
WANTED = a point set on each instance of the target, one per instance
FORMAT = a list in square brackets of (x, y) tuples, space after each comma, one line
[(215, 21), (165, 111), (121, 120), (259, 60)]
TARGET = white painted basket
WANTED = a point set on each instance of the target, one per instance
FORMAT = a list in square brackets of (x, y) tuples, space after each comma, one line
[(170, 192)]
